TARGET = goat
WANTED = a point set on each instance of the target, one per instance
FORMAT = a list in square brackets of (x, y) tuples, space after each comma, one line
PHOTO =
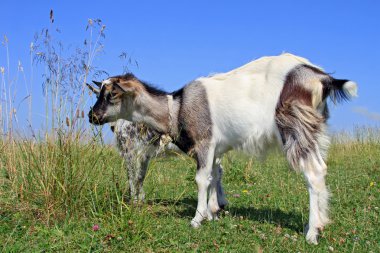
[(278, 100), (138, 144)]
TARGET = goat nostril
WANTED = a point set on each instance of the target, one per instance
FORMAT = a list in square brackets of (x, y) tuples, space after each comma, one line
[(94, 118)]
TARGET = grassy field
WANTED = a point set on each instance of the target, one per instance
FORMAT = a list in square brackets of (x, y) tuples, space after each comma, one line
[(64, 193), (66, 196)]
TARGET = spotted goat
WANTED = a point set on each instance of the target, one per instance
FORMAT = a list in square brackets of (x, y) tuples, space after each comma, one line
[(272, 101), (138, 144)]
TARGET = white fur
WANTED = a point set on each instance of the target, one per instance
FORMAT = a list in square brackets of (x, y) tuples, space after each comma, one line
[(243, 103), (351, 88), (105, 82)]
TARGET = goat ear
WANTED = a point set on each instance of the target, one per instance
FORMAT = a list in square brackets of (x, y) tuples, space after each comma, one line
[(124, 87), (94, 90)]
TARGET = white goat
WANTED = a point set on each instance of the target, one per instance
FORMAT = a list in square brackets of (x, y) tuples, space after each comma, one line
[(273, 100)]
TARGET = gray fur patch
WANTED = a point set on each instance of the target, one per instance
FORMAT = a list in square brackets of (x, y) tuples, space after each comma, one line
[(301, 128), (194, 118)]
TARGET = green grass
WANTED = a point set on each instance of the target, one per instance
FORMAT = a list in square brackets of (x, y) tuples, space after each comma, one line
[(53, 193)]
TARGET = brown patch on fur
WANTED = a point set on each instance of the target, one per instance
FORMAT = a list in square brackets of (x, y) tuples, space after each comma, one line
[(129, 85), (299, 123), (292, 91)]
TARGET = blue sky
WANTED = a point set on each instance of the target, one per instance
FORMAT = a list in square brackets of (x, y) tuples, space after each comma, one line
[(177, 41)]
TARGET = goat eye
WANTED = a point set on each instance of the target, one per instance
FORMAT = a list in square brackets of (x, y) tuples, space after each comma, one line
[(111, 98), (107, 97)]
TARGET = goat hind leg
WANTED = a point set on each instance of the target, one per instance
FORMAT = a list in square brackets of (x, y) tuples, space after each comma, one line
[(324, 195), (217, 200), (315, 173)]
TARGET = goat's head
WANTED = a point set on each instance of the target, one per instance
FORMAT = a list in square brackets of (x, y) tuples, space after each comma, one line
[(115, 99), (96, 91)]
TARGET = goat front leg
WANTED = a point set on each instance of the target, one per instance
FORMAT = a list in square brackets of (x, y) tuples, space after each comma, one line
[(136, 169), (205, 158), (132, 165), (140, 177)]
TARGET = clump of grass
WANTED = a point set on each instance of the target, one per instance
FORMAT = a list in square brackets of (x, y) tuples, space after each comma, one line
[(46, 172), (61, 178)]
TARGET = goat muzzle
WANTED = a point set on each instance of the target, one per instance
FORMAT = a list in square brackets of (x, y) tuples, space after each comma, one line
[(94, 118)]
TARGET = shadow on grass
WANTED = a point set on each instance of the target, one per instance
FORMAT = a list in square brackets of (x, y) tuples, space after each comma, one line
[(186, 207), (277, 217)]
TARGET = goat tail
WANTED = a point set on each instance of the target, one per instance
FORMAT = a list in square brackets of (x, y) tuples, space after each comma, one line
[(340, 89)]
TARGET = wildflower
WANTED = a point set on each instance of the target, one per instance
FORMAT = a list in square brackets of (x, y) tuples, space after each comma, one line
[(263, 236), (109, 237), (95, 227), (371, 184), (245, 191)]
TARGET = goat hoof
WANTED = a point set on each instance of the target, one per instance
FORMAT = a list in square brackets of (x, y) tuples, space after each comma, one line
[(222, 204), (195, 224), (312, 235), (212, 216), (312, 240)]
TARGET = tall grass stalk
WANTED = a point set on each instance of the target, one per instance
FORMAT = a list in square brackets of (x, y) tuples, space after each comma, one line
[(47, 172)]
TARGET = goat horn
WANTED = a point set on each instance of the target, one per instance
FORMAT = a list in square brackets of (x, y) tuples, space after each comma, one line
[(99, 84), (96, 91)]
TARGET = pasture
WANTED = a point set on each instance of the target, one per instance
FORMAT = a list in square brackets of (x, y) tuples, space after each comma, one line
[(68, 195), (63, 186)]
